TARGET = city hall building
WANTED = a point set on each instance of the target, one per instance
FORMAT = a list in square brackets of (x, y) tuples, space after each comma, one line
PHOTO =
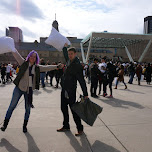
[(122, 46)]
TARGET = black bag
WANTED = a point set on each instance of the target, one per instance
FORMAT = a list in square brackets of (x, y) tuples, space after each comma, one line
[(87, 110)]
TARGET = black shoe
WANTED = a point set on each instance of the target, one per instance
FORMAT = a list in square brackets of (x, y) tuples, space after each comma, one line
[(63, 129), (79, 133), (25, 126), (24, 129), (6, 121), (95, 96), (105, 94), (32, 106), (56, 86)]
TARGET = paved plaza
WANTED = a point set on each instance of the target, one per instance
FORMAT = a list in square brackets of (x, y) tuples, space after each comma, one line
[(125, 125)]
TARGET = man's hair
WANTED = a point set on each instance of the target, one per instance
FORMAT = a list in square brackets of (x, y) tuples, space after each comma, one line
[(104, 58), (72, 49), (95, 59)]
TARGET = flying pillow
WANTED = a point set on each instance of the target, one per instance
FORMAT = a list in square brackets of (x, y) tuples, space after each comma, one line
[(57, 40), (6, 45)]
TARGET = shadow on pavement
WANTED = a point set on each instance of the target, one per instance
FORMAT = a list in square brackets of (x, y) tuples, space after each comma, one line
[(99, 146), (132, 91), (75, 144), (36, 92), (121, 103), (147, 86), (48, 91), (32, 147), (2, 85), (10, 148), (85, 145)]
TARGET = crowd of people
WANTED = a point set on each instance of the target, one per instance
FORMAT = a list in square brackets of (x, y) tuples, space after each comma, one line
[(8, 71), (99, 72), (102, 73)]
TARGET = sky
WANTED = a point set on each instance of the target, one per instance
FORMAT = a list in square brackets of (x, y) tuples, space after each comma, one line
[(75, 17)]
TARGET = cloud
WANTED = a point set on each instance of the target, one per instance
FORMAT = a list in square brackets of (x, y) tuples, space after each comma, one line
[(1, 33), (28, 33), (24, 8), (75, 17)]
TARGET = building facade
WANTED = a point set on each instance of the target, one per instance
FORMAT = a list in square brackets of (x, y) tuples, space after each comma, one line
[(15, 33), (148, 25)]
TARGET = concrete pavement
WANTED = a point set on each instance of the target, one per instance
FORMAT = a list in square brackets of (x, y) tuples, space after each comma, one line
[(124, 125)]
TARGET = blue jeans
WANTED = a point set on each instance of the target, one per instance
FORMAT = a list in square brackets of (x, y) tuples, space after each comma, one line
[(17, 93), (131, 77), (42, 77)]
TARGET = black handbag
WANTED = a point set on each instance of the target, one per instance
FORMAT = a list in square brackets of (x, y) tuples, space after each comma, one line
[(87, 110)]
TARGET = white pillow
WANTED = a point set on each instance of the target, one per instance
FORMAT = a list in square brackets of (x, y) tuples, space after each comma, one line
[(6, 45), (57, 40)]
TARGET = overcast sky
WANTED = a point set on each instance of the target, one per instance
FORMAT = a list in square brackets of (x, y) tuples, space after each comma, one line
[(75, 17)]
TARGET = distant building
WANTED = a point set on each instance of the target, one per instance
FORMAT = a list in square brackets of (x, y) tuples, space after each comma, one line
[(15, 33), (55, 24), (148, 25)]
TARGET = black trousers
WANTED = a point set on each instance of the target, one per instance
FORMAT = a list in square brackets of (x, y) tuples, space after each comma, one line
[(57, 80), (100, 85), (105, 83), (110, 80), (94, 85), (3, 79), (8, 77), (64, 108), (51, 79)]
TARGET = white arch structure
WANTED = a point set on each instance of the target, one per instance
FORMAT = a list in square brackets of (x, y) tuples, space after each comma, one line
[(114, 40)]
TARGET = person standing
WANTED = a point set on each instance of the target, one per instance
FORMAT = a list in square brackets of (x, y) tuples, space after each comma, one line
[(59, 73), (131, 69), (148, 74), (8, 71), (102, 68), (47, 73), (111, 73), (3, 73), (73, 72), (42, 74), (139, 73), (26, 81), (52, 74), (94, 71)]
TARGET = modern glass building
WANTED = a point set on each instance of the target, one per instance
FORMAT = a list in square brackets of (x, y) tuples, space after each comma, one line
[(148, 25)]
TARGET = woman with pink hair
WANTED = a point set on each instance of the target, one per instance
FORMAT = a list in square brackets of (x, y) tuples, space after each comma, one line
[(27, 80)]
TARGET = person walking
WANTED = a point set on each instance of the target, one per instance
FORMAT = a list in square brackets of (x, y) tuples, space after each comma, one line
[(131, 69), (27, 80), (121, 77)]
